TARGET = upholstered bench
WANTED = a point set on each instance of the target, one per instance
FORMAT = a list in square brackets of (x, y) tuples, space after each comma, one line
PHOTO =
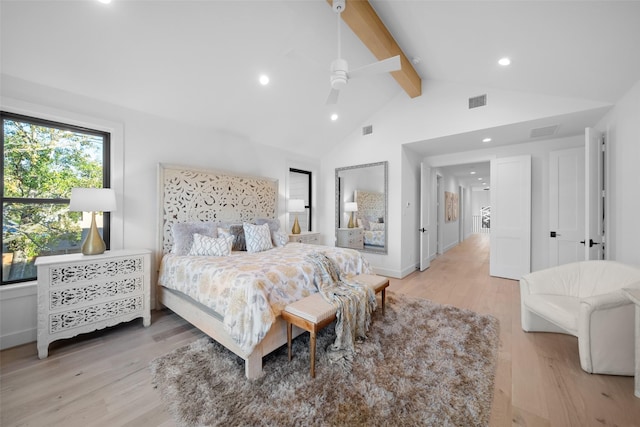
[(314, 313)]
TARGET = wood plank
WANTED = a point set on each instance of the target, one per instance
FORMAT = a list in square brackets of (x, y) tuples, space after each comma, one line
[(363, 20)]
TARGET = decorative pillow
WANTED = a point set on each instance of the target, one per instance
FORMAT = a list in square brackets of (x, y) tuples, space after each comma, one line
[(258, 237), (183, 234), (376, 226), (237, 231), (279, 238), (274, 224), (211, 246)]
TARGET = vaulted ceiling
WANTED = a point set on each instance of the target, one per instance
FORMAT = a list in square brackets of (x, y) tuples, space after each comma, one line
[(198, 62)]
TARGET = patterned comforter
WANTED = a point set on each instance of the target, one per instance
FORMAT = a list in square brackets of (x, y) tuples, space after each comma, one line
[(374, 238), (249, 290)]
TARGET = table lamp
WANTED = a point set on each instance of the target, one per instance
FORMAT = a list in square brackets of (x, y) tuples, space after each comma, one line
[(351, 207), (295, 206), (93, 200)]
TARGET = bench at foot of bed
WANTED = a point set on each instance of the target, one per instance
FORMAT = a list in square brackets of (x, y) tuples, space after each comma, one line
[(314, 313)]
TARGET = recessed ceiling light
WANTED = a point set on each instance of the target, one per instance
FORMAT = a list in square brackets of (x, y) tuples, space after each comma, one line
[(504, 61), (334, 117), (479, 179), (486, 140), (264, 80), (105, 1), (484, 183), (472, 172)]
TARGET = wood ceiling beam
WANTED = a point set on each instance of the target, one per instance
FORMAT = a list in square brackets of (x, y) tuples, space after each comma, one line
[(367, 25)]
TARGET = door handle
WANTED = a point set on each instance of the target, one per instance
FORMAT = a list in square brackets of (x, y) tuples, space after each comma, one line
[(591, 243), (422, 229)]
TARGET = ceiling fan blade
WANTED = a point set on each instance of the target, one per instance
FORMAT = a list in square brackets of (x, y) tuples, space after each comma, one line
[(384, 66), (333, 97)]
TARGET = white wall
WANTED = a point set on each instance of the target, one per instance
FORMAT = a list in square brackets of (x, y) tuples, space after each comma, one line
[(441, 110), (479, 199), (148, 140), (622, 126)]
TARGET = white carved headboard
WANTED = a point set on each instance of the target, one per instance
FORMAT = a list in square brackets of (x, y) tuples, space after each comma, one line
[(187, 194), (370, 204)]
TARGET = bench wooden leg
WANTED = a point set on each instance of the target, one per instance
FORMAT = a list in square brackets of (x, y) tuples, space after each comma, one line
[(289, 334), (383, 295), (312, 350)]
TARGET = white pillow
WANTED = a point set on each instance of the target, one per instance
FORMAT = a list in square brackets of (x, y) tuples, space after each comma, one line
[(376, 226), (279, 238), (257, 237), (211, 246)]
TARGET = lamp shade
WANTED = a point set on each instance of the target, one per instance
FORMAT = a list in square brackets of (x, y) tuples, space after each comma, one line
[(296, 205), (92, 200), (351, 207)]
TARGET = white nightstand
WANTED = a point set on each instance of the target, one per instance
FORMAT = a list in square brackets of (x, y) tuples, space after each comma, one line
[(310, 237), (350, 238), (83, 293)]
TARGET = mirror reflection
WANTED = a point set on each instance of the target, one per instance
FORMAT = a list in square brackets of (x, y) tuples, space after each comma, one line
[(361, 207)]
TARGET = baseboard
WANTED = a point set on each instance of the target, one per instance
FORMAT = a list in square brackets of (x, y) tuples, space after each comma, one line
[(395, 274), (15, 339)]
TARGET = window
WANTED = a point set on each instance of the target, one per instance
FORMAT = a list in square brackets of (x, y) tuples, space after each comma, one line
[(42, 162), (300, 188)]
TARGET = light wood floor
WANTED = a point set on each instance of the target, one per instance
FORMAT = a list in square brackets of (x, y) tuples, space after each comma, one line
[(103, 378)]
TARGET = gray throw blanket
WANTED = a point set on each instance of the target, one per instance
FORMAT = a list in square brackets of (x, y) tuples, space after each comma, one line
[(354, 303)]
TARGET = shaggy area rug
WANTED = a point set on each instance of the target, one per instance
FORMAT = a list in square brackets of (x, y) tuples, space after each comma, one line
[(422, 364)]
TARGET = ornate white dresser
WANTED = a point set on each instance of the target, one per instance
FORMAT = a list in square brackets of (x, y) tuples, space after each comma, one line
[(309, 237), (350, 238), (79, 293)]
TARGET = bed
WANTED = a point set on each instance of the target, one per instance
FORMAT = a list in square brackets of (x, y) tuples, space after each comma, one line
[(236, 299)]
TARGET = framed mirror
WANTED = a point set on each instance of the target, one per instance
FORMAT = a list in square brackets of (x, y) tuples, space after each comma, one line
[(361, 207)]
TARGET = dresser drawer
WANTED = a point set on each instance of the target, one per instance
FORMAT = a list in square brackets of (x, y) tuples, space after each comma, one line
[(350, 238), (308, 237)]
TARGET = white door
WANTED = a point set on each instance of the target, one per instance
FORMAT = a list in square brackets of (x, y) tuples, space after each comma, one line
[(510, 253), (425, 215), (566, 206), (594, 195)]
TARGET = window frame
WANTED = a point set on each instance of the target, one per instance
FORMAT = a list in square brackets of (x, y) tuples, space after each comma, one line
[(310, 186), (106, 174)]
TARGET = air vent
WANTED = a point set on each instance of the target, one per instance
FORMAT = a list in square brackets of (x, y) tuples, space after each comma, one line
[(543, 131), (478, 101), (367, 130)]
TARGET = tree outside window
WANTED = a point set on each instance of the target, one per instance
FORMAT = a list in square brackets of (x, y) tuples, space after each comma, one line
[(42, 162)]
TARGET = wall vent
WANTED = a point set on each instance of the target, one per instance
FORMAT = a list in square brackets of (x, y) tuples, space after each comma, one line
[(543, 131), (478, 101), (367, 130)]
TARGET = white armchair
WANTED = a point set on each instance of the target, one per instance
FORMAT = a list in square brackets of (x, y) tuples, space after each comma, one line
[(584, 299)]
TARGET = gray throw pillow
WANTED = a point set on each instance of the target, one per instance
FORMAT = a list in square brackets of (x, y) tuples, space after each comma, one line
[(183, 234), (274, 224)]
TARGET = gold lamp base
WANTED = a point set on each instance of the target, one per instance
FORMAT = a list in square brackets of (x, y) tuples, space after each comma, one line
[(296, 226), (351, 224), (93, 244)]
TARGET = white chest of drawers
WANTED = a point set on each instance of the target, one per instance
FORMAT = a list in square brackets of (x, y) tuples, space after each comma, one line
[(350, 238), (309, 237), (79, 293)]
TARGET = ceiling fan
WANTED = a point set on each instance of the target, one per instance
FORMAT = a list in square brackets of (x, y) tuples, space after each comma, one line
[(340, 73)]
